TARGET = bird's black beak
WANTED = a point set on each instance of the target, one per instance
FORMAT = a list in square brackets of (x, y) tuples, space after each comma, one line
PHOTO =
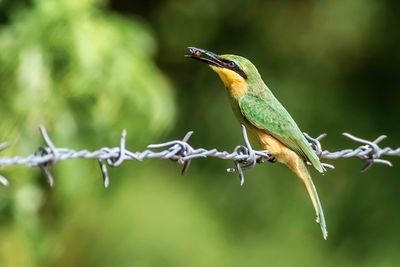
[(214, 60), (205, 56)]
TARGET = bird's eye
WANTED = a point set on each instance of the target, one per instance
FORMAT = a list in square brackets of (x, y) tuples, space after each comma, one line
[(232, 64)]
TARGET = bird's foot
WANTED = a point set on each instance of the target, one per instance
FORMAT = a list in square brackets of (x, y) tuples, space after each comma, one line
[(272, 159)]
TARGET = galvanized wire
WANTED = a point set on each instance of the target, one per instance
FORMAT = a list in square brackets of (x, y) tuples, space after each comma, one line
[(243, 156)]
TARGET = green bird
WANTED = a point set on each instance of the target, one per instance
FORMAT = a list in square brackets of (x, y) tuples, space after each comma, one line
[(264, 117)]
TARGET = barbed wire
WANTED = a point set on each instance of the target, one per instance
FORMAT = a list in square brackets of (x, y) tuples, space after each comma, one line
[(180, 151)]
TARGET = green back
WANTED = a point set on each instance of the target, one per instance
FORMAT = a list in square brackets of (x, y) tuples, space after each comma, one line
[(265, 112)]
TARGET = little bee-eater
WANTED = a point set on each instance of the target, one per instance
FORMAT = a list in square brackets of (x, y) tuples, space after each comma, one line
[(264, 117)]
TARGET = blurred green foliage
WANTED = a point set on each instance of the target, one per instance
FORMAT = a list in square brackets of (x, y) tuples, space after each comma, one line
[(86, 69)]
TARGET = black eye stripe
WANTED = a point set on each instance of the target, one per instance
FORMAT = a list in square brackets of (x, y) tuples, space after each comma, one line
[(233, 66), (241, 73)]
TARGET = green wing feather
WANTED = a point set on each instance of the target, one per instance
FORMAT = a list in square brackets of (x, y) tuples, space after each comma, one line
[(266, 113)]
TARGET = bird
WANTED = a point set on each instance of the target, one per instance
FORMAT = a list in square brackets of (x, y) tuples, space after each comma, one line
[(266, 120)]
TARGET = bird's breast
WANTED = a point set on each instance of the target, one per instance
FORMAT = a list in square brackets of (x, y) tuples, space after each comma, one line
[(281, 152)]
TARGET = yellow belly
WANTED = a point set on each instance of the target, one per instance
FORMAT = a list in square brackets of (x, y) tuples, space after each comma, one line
[(281, 152)]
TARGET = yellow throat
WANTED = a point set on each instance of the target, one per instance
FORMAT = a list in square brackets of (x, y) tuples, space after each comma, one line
[(234, 83)]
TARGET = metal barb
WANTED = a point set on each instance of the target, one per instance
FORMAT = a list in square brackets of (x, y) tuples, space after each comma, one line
[(4, 181), (186, 163), (115, 162), (104, 173), (49, 150), (240, 172), (315, 144), (327, 166), (48, 141), (3, 146), (371, 151), (50, 177), (251, 159)]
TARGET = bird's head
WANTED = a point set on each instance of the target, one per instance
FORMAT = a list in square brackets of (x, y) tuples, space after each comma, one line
[(233, 70)]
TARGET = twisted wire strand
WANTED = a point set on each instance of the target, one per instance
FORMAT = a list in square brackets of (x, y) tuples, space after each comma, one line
[(243, 156)]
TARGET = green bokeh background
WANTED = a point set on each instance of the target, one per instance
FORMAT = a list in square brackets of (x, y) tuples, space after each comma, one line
[(86, 69)]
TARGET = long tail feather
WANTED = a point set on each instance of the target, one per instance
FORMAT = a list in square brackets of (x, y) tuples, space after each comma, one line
[(304, 174)]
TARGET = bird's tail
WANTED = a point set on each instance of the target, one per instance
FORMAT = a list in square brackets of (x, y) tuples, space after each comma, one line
[(302, 171)]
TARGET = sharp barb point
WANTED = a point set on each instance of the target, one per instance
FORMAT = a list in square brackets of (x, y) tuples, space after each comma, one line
[(50, 178), (4, 181), (187, 136), (239, 170), (3, 146), (185, 167), (366, 167), (322, 136), (104, 173)]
